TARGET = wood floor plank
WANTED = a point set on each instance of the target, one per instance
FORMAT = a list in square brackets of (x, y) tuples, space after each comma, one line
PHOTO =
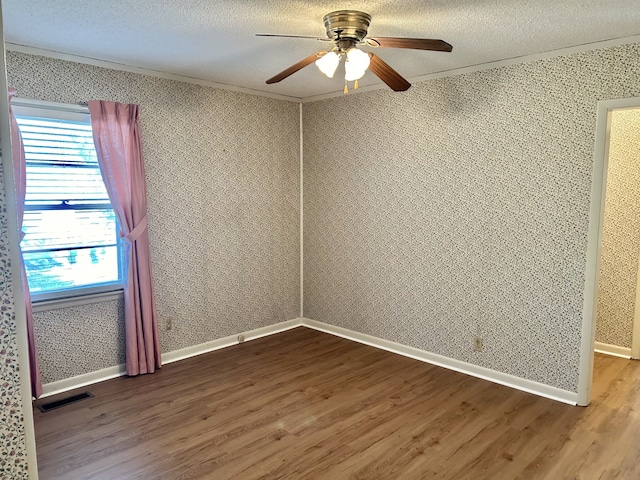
[(307, 405)]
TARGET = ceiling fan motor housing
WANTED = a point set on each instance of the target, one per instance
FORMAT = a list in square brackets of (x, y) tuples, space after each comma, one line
[(350, 24)]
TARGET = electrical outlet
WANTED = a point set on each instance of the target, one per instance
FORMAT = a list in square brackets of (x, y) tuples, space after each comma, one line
[(168, 323), (477, 344)]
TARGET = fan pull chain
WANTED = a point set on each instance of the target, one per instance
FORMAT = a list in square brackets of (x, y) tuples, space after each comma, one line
[(346, 87)]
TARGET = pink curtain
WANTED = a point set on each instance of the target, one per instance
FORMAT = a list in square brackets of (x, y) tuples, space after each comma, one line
[(116, 135), (20, 179)]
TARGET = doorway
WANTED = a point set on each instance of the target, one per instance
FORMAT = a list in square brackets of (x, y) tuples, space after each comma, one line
[(616, 304), (604, 256)]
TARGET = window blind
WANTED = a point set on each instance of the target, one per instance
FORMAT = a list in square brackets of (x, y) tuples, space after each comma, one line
[(71, 239)]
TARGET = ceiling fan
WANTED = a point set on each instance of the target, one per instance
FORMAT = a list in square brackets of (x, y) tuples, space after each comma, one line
[(347, 29)]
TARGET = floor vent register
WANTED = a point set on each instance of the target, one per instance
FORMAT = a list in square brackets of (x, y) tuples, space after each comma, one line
[(47, 407)]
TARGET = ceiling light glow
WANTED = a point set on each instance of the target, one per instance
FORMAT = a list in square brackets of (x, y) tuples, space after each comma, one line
[(328, 63), (356, 64)]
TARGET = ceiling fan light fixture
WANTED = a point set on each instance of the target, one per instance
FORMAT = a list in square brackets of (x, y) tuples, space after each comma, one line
[(356, 64), (351, 73), (328, 63), (347, 29)]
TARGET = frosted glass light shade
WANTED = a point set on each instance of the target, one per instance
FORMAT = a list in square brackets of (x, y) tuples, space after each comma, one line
[(358, 58), (352, 73), (356, 64), (328, 63)]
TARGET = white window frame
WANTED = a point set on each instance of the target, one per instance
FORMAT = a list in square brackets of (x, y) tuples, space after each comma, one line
[(81, 295)]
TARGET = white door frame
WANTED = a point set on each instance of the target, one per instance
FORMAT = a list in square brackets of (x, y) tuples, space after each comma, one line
[(16, 278), (594, 242), (635, 335)]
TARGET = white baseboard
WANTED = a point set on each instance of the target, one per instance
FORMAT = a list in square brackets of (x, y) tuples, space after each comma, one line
[(224, 342), (108, 373), (83, 380), (411, 352), (459, 366), (614, 350)]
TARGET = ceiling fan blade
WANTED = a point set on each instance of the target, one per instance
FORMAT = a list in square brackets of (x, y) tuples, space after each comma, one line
[(298, 66), (293, 36), (388, 75), (414, 43)]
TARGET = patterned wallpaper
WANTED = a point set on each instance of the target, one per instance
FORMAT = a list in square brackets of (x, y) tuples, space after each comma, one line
[(455, 209), (620, 238), (102, 327), (460, 208), (223, 207), (13, 463)]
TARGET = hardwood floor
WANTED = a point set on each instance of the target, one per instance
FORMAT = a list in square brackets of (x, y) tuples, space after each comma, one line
[(308, 405)]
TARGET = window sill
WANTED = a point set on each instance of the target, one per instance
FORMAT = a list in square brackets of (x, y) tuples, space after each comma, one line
[(54, 304)]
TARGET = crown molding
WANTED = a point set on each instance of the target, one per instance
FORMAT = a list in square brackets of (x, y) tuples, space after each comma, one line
[(585, 47), (14, 47)]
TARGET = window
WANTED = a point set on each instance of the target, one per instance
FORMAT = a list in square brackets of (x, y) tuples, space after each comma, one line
[(71, 245)]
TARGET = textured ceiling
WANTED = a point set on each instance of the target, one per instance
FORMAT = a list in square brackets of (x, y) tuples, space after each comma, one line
[(214, 40)]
